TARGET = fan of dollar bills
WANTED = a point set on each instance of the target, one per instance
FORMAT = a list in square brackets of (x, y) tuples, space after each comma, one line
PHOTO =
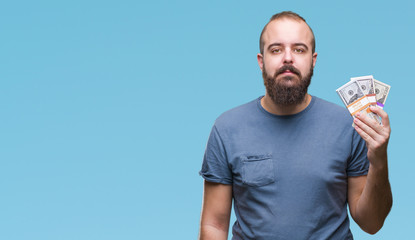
[(361, 93)]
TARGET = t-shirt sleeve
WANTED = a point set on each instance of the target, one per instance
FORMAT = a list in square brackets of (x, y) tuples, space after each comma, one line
[(358, 164), (215, 166)]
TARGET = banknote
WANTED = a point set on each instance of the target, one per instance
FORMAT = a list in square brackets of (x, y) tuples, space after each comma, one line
[(381, 91), (350, 93), (366, 84), (355, 100)]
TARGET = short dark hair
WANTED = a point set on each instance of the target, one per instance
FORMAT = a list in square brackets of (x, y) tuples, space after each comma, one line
[(290, 15)]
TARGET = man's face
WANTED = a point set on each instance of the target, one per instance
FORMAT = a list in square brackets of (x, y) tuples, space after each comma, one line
[(287, 62)]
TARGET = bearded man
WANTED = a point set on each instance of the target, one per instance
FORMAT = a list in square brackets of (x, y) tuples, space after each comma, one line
[(292, 162)]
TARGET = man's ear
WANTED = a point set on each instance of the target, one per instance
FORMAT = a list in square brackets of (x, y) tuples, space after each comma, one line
[(260, 59), (314, 59)]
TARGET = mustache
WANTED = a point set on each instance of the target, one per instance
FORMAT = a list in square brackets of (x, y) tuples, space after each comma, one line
[(289, 68)]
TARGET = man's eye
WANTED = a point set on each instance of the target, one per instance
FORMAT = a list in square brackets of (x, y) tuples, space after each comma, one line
[(276, 50), (299, 50)]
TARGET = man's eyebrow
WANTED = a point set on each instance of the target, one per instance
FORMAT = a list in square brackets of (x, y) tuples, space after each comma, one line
[(273, 45), (280, 44), (301, 44)]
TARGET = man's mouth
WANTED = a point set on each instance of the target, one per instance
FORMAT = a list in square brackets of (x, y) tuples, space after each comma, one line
[(287, 73), (288, 70)]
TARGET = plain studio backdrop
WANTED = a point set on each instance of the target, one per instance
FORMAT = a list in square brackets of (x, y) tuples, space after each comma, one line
[(106, 106)]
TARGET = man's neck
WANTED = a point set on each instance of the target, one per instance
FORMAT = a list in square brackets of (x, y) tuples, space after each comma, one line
[(277, 109)]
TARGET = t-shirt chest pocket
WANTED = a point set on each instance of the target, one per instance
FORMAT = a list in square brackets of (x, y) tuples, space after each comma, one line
[(257, 170)]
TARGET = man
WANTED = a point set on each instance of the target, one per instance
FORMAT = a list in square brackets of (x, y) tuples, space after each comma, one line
[(292, 162)]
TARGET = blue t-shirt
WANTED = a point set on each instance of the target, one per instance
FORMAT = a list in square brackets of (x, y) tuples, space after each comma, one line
[(288, 173)]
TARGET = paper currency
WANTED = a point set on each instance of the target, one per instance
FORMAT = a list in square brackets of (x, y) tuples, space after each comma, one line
[(350, 92), (355, 100), (381, 91), (366, 84)]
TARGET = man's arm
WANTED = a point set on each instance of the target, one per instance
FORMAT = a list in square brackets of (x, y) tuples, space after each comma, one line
[(370, 197), (216, 211)]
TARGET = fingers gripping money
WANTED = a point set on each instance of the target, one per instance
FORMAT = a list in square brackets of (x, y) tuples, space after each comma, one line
[(375, 135)]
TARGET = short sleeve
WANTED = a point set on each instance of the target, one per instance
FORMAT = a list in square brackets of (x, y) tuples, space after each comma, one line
[(215, 166), (358, 163)]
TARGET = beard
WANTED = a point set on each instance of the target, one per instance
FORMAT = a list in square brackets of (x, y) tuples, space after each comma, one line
[(283, 94)]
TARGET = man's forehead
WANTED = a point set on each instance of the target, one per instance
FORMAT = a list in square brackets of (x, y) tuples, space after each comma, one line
[(287, 29)]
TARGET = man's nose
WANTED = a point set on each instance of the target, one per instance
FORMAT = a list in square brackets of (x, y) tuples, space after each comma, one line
[(288, 57)]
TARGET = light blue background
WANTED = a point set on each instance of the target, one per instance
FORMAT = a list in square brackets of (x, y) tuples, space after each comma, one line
[(106, 106)]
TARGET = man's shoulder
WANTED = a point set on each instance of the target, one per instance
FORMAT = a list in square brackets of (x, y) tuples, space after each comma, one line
[(237, 114), (332, 110), (331, 107)]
